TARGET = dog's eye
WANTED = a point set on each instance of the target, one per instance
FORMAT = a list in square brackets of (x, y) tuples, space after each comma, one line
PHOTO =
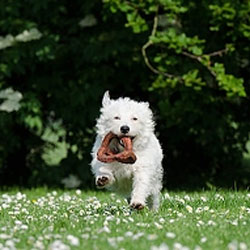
[(134, 118), (117, 118)]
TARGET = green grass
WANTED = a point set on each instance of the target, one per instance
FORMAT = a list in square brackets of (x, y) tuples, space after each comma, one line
[(42, 219)]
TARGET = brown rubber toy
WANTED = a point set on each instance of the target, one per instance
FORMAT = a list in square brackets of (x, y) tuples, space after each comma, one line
[(107, 155)]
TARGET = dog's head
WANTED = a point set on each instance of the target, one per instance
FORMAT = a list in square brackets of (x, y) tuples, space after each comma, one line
[(125, 117)]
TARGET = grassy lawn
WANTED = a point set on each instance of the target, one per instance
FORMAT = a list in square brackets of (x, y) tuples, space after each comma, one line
[(42, 219)]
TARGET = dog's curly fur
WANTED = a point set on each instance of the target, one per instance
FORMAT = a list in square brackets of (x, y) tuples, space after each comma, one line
[(140, 182)]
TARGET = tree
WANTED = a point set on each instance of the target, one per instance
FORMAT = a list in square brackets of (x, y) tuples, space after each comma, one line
[(198, 56), (189, 59)]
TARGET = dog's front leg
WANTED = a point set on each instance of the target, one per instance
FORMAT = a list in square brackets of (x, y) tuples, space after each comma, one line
[(103, 174), (104, 177), (140, 190)]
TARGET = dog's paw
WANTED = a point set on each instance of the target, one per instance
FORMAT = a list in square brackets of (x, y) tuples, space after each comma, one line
[(102, 181), (137, 205)]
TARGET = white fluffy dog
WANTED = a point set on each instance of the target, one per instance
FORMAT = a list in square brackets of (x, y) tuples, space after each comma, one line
[(140, 182)]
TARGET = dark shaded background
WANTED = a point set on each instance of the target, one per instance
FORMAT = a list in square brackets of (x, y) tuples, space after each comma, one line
[(86, 49)]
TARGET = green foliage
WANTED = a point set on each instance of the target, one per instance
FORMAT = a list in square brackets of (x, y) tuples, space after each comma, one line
[(191, 79), (229, 83), (190, 59), (174, 40)]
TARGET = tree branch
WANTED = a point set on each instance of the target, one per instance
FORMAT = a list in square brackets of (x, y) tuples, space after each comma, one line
[(199, 59), (148, 44), (194, 57), (218, 53)]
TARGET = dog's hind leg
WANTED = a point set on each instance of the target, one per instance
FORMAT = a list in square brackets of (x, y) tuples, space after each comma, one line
[(140, 190)]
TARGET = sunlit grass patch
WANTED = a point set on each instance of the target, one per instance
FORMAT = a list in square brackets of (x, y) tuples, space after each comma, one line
[(42, 219)]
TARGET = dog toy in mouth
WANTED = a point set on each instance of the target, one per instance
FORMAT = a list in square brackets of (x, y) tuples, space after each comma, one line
[(108, 152)]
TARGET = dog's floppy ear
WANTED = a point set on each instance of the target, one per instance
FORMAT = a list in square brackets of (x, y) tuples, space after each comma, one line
[(106, 99)]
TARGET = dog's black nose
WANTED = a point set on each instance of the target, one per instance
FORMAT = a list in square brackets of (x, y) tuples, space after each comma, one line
[(124, 129)]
